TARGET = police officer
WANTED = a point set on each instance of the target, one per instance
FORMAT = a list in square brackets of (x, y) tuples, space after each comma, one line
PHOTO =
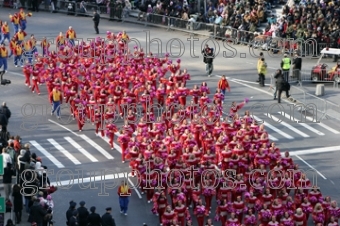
[(73, 220), (94, 218), (259, 63), (69, 212), (285, 66), (282, 85), (83, 214), (107, 219)]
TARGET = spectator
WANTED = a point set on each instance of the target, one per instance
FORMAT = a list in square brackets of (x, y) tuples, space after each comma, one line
[(10, 150), (37, 213), (4, 137), (9, 223), (48, 218), (107, 219), (74, 219), (7, 179), (17, 202), (21, 165), (5, 110), (83, 214), (127, 9), (49, 202), (69, 212), (17, 144), (94, 218), (263, 72), (142, 11)]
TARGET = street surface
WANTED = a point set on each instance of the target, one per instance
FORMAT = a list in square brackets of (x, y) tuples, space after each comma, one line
[(62, 147)]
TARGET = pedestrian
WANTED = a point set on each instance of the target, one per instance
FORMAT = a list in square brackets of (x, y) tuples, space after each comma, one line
[(263, 72), (3, 57), (107, 219), (285, 66), (208, 58), (96, 20), (124, 193), (297, 65), (223, 85), (37, 213), (282, 85), (259, 62), (56, 100), (17, 202), (277, 74), (74, 219), (83, 214), (69, 212), (94, 218), (7, 179)]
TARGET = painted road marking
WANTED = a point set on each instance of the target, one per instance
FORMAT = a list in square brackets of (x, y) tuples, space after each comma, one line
[(312, 151), (323, 125), (96, 146), (274, 129), (62, 150), (47, 154), (302, 124), (79, 148), (287, 125)]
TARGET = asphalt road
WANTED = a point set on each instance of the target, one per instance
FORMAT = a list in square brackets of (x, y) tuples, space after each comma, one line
[(62, 147)]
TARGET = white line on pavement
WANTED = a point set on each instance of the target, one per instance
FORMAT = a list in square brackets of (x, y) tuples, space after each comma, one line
[(311, 167), (323, 125), (302, 124), (249, 82), (287, 125), (80, 149), (47, 154), (275, 129), (115, 146), (315, 151), (96, 146), (62, 150)]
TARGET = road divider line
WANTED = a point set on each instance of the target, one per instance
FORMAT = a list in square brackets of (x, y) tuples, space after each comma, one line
[(64, 127), (62, 150), (249, 82), (323, 125), (315, 151), (272, 128), (47, 154), (287, 125), (302, 124), (311, 167), (96, 146), (79, 148)]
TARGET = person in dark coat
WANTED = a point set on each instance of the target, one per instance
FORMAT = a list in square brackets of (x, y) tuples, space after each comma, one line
[(70, 211), (74, 219), (297, 65), (9, 222), (107, 219), (17, 202), (96, 20), (83, 214), (282, 85), (94, 218), (37, 213), (208, 58), (4, 110)]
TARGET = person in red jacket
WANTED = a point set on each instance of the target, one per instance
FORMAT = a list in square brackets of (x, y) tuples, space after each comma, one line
[(124, 192), (223, 85)]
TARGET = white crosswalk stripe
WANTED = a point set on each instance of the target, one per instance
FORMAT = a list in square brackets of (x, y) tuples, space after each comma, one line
[(96, 146), (302, 124), (47, 154), (62, 150), (287, 125), (79, 148), (266, 124), (324, 126)]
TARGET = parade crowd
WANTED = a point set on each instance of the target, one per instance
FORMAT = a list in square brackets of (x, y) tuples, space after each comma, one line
[(184, 136)]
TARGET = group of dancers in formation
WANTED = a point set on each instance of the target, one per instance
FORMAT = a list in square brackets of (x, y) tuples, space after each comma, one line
[(184, 137)]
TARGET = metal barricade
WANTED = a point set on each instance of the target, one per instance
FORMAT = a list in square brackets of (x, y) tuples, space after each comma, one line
[(321, 74), (313, 103), (298, 94), (333, 110)]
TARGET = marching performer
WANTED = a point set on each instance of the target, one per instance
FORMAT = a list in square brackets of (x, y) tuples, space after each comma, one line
[(18, 61), (80, 116), (45, 45), (60, 40), (23, 20), (5, 33), (12, 46), (35, 79), (15, 19), (71, 36), (3, 57), (124, 192), (111, 129), (20, 36)]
